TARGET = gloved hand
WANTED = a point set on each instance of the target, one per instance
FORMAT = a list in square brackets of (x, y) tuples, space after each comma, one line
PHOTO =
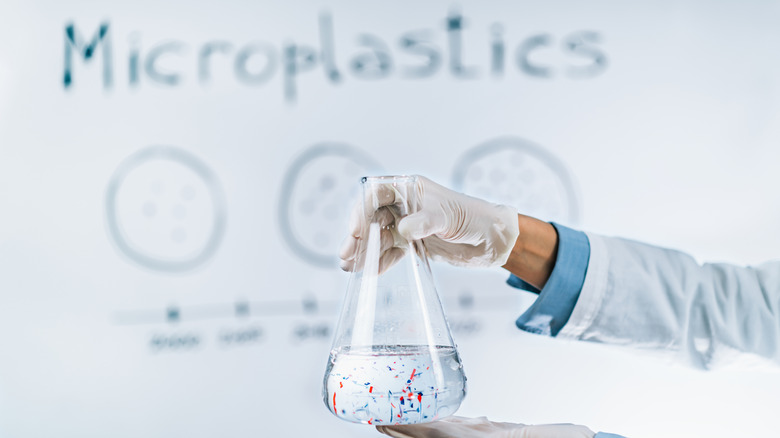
[(459, 427), (456, 228)]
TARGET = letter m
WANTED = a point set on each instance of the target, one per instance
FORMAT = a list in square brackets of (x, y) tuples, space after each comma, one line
[(75, 43)]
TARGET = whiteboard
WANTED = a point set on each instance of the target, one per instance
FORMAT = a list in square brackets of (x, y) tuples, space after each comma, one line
[(175, 179)]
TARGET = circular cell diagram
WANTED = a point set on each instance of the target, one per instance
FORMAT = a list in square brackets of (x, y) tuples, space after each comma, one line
[(165, 209), (315, 199), (519, 173)]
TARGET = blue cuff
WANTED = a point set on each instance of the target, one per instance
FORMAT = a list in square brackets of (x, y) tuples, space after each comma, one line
[(519, 283), (607, 435), (550, 312)]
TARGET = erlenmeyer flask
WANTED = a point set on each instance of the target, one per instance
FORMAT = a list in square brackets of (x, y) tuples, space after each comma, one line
[(393, 360)]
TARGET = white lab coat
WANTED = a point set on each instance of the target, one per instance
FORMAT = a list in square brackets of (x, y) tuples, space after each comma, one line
[(651, 297)]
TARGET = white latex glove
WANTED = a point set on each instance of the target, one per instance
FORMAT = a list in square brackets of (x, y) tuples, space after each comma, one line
[(456, 228), (460, 427)]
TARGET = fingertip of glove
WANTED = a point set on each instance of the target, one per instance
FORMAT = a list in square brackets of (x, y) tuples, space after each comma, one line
[(348, 248), (346, 265)]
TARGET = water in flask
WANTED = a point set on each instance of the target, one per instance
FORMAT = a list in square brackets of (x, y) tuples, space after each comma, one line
[(386, 385)]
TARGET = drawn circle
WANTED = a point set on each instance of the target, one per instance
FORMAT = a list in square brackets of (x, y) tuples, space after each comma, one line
[(516, 172), (165, 209), (315, 199)]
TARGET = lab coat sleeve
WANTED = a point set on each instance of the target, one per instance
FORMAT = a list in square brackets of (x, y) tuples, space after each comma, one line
[(662, 299)]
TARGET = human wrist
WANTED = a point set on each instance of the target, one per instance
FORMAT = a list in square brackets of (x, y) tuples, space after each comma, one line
[(533, 255)]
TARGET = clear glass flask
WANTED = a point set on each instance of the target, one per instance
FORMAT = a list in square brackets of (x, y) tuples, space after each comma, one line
[(393, 360)]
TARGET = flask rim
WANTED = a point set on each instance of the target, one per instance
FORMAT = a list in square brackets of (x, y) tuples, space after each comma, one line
[(387, 179)]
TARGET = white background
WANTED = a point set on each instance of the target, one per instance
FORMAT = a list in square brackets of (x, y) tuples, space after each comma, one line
[(674, 143)]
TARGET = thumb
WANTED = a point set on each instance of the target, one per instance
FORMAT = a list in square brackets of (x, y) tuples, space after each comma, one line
[(419, 225)]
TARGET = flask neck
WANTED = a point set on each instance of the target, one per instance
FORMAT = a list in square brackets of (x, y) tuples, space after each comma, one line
[(397, 192)]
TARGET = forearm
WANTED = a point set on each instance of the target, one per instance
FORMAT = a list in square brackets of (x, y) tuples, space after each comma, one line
[(534, 253)]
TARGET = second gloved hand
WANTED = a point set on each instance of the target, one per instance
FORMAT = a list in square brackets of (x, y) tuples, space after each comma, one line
[(459, 427), (456, 228)]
